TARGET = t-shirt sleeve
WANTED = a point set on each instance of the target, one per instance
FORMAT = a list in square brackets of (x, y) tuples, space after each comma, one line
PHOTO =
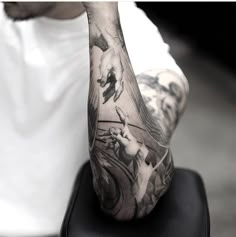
[(2, 14), (145, 46)]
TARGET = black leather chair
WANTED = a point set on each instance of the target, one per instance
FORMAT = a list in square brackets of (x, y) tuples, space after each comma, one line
[(181, 212)]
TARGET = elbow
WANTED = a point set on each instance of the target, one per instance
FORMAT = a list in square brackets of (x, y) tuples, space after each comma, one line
[(126, 200), (131, 209), (156, 188)]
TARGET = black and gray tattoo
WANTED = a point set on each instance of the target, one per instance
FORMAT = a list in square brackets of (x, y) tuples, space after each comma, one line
[(165, 95), (129, 147)]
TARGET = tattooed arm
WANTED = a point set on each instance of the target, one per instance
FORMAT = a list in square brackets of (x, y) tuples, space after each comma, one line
[(130, 157)]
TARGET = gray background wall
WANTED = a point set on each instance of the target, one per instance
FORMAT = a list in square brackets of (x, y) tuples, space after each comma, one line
[(205, 139)]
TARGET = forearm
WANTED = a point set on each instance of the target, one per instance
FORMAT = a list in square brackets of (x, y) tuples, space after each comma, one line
[(130, 156)]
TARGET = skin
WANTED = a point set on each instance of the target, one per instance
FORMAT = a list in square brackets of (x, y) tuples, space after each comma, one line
[(129, 139), (18, 11), (129, 132)]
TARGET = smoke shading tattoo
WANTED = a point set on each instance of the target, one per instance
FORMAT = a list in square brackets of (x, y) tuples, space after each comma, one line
[(129, 149), (165, 95)]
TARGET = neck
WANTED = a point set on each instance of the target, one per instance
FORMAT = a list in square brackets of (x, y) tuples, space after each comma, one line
[(66, 10)]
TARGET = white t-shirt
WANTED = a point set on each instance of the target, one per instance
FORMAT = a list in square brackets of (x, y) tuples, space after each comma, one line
[(44, 79)]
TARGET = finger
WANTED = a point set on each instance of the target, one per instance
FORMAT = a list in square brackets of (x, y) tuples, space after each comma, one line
[(120, 139), (103, 79), (115, 131), (118, 90), (109, 143), (105, 73), (118, 69), (119, 86), (104, 133), (116, 149), (109, 92), (123, 117), (106, 62), (110, 146), (104, 138)]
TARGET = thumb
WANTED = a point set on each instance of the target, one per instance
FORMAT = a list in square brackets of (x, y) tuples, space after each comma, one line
[(104, 76)]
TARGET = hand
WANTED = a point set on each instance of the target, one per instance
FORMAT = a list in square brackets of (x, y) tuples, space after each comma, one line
[(111, 71), (121, 141), (105, 34)]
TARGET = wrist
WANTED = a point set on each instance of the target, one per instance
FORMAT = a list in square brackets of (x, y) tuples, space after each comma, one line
[(108, 28), (103, 11)]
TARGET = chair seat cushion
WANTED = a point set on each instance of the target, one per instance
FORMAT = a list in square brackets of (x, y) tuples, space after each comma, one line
[(181, 212)]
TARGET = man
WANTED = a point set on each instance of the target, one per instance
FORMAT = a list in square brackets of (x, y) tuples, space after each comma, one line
[(43, 91)]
